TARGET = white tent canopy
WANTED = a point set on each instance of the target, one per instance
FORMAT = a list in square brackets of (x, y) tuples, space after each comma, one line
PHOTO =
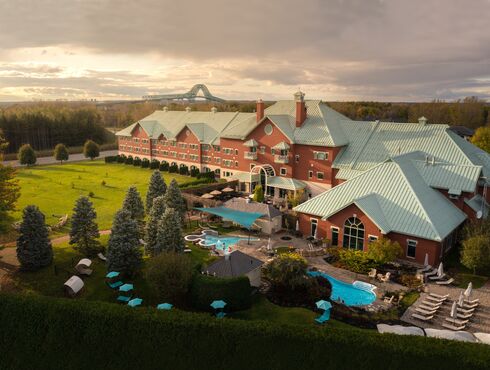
[(84, 262), (73, 285), (400, 330)]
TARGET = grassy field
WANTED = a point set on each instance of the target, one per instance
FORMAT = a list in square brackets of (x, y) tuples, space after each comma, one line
[(55, 188)]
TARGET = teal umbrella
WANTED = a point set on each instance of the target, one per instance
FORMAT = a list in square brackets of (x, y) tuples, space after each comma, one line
[(323, 305), (218, 304), (112, 274), (165, 306), (126, 287), (135, 302)]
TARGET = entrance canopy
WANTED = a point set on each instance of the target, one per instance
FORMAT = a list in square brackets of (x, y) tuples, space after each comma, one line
[(245, 219)]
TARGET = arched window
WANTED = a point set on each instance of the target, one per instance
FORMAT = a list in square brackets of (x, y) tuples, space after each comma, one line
[(353, 234)]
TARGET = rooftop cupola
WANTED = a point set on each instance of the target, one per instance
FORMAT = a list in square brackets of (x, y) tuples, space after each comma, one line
[(188, 109), (299, 98), (214, 109), (423, 120), (260, 110)]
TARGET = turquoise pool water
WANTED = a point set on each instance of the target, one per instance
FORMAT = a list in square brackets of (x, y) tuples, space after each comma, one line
[(348, 293), (222, 242)]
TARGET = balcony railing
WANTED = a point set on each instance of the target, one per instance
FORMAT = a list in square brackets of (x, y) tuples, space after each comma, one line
[(250, 155), (281, 159)]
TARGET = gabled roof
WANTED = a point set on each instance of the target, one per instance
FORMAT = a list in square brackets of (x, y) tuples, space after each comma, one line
[(241, 204), (395, 197), (287, 183), (236, 264)]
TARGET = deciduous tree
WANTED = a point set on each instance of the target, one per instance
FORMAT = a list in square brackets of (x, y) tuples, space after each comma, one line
[(482, 138), (27, 155), (91, 149), (475, 254), (61, 153)]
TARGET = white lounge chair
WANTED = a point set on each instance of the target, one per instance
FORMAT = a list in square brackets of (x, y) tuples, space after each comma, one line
[(453, 327), (437, 300), (428, 308), (102, 257), (438, 296), (372, 273), (465, 311), (469, 306), (456, 321), (445, 282), (464, 316), (423, 318), (385, 278), (432, 304), (437, 277), (427, 312), (472, 301), (431, 273), (425, 269)]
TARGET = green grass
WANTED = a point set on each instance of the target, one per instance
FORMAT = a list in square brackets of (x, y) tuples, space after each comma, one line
[(55, 188), (409, 299), (463, 275), (462, 280)]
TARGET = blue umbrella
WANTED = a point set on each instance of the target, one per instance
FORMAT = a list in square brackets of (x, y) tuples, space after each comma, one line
[(323, 305), (126, 287), (218, 304), (164, 306), (135, 302), (112, 274)]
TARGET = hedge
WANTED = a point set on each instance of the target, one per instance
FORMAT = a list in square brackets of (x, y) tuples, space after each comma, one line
[(236, 292), (49, 333)]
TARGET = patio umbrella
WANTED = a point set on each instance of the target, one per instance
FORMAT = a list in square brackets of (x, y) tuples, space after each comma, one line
[(218, 304), (112, 274), (440, 270), (426, 260), (135, 302), (297, 225), (126, 287), (227, 190), (453, 312), (165, 306), (215, 192), (323, 305), (468, 290), (461, 299), (207, 196), (316, 233), (269, 244)]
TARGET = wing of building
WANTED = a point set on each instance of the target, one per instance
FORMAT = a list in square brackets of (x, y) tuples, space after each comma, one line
[(413, 182)]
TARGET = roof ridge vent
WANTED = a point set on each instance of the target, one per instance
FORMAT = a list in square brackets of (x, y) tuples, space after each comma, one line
[(423, 120)]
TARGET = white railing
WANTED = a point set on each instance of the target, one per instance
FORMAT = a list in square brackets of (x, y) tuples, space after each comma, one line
[(250, 155), (281, 159)]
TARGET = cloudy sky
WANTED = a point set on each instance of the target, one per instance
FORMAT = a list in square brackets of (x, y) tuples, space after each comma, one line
[(390, 50)]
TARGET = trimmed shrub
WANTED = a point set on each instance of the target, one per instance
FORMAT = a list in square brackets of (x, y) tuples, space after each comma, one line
[(145, 163), (91, 149), (129, 160), (121, 158), (164, 166), (206, 175), (356, 261), (194, 172), (27, 155), (184, 170), (137, 162), (154, 164), (173, 168), (236, 292), (34, 329), (111, 159)]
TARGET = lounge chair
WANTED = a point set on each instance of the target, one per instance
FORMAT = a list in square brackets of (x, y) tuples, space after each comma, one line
[(464, 316), (456, 321), (115, 284), (432, 304), (437, 300), (102, 257), (425, 269), (453, 327), (386, 278), (389, 300), (423, 318), (431, 273), (437, 277), (465, 311), (472, 301), (469, 306), (427, 312), (123, 299), (438, 296), (428, 308), (372, 273), (445, 282)]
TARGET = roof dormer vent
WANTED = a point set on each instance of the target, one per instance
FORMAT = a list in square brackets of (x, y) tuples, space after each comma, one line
[(187, 109)]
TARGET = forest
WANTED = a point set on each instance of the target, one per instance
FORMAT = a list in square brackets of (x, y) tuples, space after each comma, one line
[(44, 124)]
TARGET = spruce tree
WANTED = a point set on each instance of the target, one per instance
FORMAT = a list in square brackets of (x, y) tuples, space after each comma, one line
[(134, 204), (33, 245), (156, 188), (175, 200), (156, 213), (123, 250), (169, 235), (84, 230)]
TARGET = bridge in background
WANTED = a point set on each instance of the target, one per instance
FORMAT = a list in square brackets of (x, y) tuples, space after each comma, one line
[(190, 95)]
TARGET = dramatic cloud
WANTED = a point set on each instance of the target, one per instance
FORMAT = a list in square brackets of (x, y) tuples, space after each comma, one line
[(335, 49)]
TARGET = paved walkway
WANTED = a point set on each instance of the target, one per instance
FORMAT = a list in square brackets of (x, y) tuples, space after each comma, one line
[(73, 158), (480, 322)]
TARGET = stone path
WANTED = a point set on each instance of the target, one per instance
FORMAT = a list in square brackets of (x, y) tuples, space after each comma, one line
[(480, 322)]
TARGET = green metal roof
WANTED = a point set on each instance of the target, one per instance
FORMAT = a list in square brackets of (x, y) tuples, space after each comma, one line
[(396, 197), (250, 143), (285, 183), (281, 146)]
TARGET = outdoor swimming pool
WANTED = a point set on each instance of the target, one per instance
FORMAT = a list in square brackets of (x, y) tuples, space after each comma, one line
[(221, 242), (350, 294)]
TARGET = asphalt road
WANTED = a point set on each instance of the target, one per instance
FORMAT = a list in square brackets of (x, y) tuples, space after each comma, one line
[(73, 158)]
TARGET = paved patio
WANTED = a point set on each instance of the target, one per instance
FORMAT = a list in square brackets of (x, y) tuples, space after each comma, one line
[(480, 322)]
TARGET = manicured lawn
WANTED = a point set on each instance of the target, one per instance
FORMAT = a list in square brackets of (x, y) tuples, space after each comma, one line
[(55, 188), (463, 275)]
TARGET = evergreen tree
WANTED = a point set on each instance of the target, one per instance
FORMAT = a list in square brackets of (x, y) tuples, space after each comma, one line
[(33, 245), (156, 188), (27, 155), (84, 231), (91, 149), (156, 213), (174, 199), (169, 235), (9, 188), (61, 153), (123, 249), (134, 204)]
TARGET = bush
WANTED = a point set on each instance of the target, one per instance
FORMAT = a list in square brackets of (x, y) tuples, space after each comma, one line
[(137, 162), (194, 172), (121, 158), (184, 170), (195, 183), (33, 329), (170, 276), (145, 163), (259, 194), (111, 159), (384, 250), (173, 168), (91, 149), (164, 166), (206, 175), (91, 194), (27, 155), (154, 164), (129, 160), (356, 261), (236, 292)]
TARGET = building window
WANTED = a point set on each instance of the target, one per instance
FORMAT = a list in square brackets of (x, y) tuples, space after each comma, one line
[(411, 248), (236, 164), (321, 156), (273, 151), (216, 148), (372, 238), (262, 150), (319, 175), (236, 151), (314, 227), (283, 171), (310, 174), (252, 165), (296, 158), (268, 129), (335, 236), (353, 234)]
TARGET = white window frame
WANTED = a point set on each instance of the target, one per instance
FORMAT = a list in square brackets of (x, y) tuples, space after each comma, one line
[(311, 224), (371, 238), (332, 228), (408, 242), (281, 171), (310, 174), (323, 175)]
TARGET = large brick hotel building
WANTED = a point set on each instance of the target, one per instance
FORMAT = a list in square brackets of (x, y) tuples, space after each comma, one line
[(415, 183)]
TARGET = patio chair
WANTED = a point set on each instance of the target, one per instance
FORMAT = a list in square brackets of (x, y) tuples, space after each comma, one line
[(386, 278), (445, 282), (102, 257), (389, 300), (438, 296), (437, 277), (123, 299), (372, 273), (426, 312), (453, 327), (423, 318)]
